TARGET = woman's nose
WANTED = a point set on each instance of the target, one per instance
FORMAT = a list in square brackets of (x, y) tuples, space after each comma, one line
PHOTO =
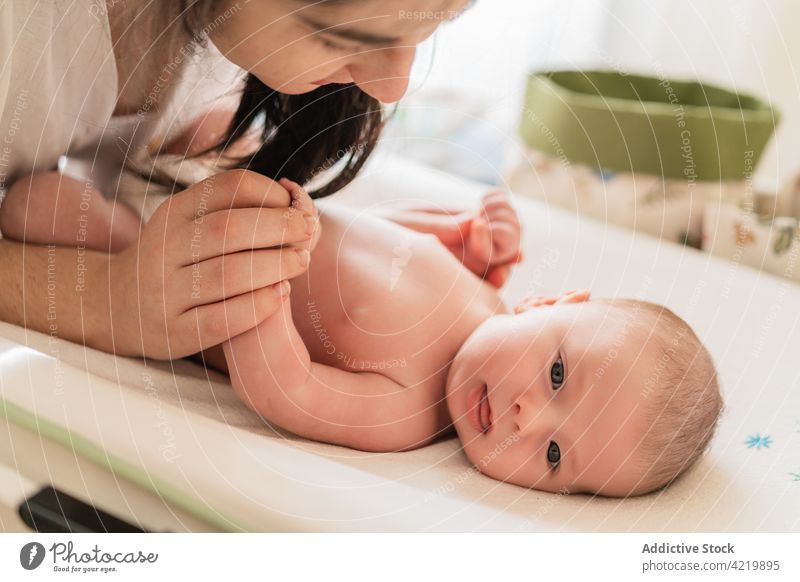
[(383, 74)]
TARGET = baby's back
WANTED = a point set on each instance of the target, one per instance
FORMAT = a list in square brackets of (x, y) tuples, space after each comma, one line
[(379, 297)]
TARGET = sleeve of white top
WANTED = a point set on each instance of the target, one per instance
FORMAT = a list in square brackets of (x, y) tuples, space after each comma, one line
[(6, 43)]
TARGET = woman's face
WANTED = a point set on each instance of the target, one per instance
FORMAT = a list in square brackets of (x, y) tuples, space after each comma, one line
[(294, 46)]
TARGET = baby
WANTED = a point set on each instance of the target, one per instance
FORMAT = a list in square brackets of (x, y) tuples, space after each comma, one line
[(396, 336), (388, 342)]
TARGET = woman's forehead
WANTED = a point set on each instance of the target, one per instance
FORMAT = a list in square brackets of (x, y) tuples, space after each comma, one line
[(388, 13)]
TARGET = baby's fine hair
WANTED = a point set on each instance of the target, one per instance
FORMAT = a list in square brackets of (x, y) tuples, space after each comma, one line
[(681, 394)]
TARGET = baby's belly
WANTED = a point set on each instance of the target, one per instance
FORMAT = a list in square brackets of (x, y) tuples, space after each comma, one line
[(381, 298)]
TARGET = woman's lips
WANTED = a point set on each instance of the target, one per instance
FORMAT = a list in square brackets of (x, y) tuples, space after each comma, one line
[(480, 412)]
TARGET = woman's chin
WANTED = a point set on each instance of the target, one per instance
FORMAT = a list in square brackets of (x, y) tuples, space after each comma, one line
[(287, 87)]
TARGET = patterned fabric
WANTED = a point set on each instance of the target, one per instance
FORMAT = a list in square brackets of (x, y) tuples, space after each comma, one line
[(666, 208), (739, 235)]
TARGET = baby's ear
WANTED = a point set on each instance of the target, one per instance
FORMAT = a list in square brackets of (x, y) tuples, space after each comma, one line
[(530, 302)]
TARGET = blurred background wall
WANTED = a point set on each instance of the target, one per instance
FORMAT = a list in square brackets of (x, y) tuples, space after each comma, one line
[(467, 87)]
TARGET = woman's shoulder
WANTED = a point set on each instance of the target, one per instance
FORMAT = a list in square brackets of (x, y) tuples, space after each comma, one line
[(6, 44), (57, 80)]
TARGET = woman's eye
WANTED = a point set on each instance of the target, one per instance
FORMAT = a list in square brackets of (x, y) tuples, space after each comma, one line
[(334, 46), (553, 454), (557, 374)]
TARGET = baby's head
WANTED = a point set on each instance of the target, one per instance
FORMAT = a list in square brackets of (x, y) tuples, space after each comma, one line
[(613, 397)]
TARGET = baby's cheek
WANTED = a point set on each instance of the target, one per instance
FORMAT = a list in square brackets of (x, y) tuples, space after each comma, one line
[(487, 458)]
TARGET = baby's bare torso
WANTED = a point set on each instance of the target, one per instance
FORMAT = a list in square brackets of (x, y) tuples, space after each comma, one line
[(379, 297)]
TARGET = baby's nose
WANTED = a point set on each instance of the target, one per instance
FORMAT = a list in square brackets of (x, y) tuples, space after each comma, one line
[(529, 411), (525, 415)]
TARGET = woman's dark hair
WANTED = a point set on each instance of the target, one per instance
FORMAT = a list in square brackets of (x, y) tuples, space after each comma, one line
[(306, 134), (335, 125)]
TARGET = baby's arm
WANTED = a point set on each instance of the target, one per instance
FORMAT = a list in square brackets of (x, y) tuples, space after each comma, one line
[(272, 372), (487, 242)]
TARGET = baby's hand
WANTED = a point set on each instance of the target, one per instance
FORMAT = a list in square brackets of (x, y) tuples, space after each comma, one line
[(533, 301), (495, 237), (302, 202)]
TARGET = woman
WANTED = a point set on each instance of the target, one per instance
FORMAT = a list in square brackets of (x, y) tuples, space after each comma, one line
[(316, 75)]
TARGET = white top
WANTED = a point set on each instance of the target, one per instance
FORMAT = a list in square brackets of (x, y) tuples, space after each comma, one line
[(59, 86)]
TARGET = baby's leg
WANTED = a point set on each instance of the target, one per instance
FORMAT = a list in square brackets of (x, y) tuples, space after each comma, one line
[(52, 208)]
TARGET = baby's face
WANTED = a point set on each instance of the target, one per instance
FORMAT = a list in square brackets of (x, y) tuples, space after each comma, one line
[(552, 398)]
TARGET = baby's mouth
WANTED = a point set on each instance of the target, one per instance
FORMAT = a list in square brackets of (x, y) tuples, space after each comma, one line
[(485, 411)]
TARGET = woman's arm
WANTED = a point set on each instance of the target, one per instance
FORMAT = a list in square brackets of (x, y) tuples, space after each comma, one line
[(60, 291), (206, 267)]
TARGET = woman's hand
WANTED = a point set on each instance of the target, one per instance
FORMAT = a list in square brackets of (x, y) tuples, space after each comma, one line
[(208, 266)]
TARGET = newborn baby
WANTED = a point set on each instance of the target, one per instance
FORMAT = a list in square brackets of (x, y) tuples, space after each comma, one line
[(394, 338), (388, 342)]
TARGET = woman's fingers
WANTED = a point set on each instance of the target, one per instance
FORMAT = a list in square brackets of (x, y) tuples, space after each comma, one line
[(229, 189), (218, 322), (230, 231), (230, 275)]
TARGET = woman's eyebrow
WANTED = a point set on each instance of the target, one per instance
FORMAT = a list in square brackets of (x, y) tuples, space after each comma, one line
[(349, 33), (369, 37)]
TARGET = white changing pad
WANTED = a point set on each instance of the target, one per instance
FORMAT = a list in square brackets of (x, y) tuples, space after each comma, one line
[(180, 431)]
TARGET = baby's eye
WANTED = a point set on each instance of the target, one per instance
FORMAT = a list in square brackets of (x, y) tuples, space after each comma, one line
[(557, 374), (553, 454)]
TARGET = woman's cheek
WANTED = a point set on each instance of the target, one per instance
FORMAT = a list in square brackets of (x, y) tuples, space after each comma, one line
[(303, 67)]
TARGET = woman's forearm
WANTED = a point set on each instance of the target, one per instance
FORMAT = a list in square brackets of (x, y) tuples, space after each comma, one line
[(165, 296), (61, 291)]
